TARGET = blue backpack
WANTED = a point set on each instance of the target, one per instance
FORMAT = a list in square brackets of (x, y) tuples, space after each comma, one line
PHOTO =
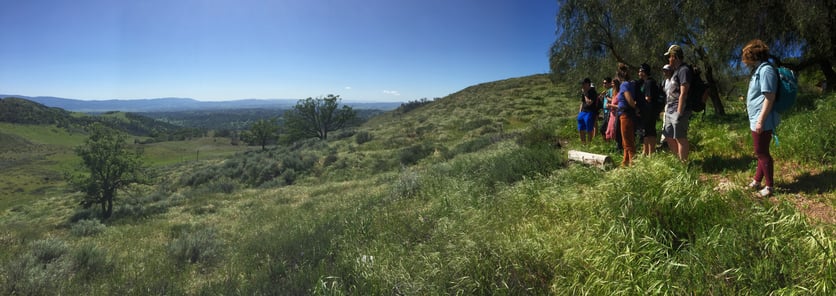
[(787, 89)]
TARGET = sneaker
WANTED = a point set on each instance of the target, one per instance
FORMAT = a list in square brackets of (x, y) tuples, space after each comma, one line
[(765, 192), (755, 185)]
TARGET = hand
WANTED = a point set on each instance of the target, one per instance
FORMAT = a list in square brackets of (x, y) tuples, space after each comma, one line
[(758, 127)]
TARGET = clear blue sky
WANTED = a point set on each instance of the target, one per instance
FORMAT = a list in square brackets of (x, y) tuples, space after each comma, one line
[(379, 50)]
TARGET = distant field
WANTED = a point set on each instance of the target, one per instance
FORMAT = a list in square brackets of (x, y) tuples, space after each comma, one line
[(34, 159)]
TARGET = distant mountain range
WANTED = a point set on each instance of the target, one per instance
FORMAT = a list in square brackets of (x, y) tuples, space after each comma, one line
[(181, 104)]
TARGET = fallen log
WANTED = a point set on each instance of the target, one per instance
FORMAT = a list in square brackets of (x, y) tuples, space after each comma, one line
[(590, 158)]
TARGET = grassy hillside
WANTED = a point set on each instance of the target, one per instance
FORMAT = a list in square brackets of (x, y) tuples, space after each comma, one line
[(468, 194)]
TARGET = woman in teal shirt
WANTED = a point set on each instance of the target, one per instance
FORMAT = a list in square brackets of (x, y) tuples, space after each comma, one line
[(762, 121)]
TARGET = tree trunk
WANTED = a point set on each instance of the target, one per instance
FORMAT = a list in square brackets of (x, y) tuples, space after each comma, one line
[(590, 158), (829, 76), (109, 208)]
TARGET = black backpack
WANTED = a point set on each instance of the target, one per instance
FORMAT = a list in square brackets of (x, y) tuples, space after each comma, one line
[(695, 92), (657, 103)]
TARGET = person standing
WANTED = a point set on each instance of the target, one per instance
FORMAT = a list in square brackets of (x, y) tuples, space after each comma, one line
[(648, 119), (677, 117), (626, 114), (586, 111), (668, 71), (763, 85), (605, 97), (613, 127)]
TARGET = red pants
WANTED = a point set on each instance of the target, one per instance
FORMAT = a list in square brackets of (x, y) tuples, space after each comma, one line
[(628, 138), (765, 169)]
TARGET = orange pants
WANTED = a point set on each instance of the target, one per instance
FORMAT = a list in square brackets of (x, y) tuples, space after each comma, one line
[(628, 139)]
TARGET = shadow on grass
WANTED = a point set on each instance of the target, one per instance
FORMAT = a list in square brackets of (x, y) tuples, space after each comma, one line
[(814, 184), (718, 164)]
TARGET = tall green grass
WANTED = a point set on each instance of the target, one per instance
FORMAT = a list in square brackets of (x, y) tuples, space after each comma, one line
[(470, 195)]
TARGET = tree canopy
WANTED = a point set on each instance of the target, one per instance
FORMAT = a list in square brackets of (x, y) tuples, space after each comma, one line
[(316, 117), (262, 132), (592, 35), (110, 164)]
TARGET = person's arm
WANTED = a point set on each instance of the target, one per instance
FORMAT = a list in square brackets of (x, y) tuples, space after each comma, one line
[(769, 99), (683, 97), (630, 101)]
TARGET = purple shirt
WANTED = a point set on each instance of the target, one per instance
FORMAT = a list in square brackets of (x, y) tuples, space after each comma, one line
[(626, 86)]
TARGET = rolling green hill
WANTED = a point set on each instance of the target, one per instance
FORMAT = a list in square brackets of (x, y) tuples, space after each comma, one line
[(468, 194)]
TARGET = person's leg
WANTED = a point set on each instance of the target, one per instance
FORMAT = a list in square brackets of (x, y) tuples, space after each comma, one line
[(683, 149), (765, 170), (581, 127), (680, 134), (628, 136), (618, 139)]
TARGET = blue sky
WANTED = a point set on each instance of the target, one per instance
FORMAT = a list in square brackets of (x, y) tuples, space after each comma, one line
[(376, 50)]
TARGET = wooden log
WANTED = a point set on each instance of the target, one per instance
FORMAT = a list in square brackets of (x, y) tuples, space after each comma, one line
[(590, 158)]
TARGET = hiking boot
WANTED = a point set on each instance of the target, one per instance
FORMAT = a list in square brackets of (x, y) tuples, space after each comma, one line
[(765, 192), (755, 185)]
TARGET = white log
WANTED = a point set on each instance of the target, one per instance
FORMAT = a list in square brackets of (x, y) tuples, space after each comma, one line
[(590, 158)]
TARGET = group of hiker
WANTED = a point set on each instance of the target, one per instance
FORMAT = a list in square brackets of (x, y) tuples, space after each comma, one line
[(628, 109)]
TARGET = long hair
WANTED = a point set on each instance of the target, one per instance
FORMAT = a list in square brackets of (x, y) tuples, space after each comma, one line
[(754, 52), (623, 72)]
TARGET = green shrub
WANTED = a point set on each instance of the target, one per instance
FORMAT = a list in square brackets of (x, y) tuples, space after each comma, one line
[(90, 259), (407, 185), (802, 135), (196, 246), (413, 154), (363, 137), (27, 275), (539, 135), (48, 250), (87, 227)]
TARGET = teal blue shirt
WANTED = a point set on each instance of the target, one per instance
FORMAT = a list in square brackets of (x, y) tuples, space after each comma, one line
[(764, 80)]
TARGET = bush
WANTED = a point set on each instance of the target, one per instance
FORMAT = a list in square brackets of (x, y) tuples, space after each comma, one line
[(198, 246), (407, 185), (415, 153), (90, 259), (48, 250), (362, 137), (539, 136), (87, 227)]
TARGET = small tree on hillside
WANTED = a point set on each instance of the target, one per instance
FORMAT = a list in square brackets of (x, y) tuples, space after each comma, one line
[(262, 132), (111, 166), (316, 117)]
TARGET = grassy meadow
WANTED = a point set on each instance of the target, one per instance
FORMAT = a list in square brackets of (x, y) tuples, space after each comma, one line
[(469, 194)]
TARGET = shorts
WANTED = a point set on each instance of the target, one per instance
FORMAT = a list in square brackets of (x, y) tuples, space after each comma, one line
[(649, 125), (676, 125), (586, 121)]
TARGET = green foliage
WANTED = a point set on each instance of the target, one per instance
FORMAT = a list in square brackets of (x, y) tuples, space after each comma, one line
[(362, 137), (262, 132), (411, 155), (48, 250), (196, 246), (412, 105), (110, 165), (87, 227), (91, 260), (317, 117), (800, 135)]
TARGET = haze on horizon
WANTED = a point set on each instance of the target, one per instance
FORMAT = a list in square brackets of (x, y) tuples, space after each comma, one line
[(370, 50)]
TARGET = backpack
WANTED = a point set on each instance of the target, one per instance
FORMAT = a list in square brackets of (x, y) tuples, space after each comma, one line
[(696, 90), (787, 90), (657, 102)]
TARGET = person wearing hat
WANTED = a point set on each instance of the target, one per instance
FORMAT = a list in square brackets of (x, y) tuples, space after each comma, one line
[(586, 111), (668, 72), (648, 119), (677, 116)]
